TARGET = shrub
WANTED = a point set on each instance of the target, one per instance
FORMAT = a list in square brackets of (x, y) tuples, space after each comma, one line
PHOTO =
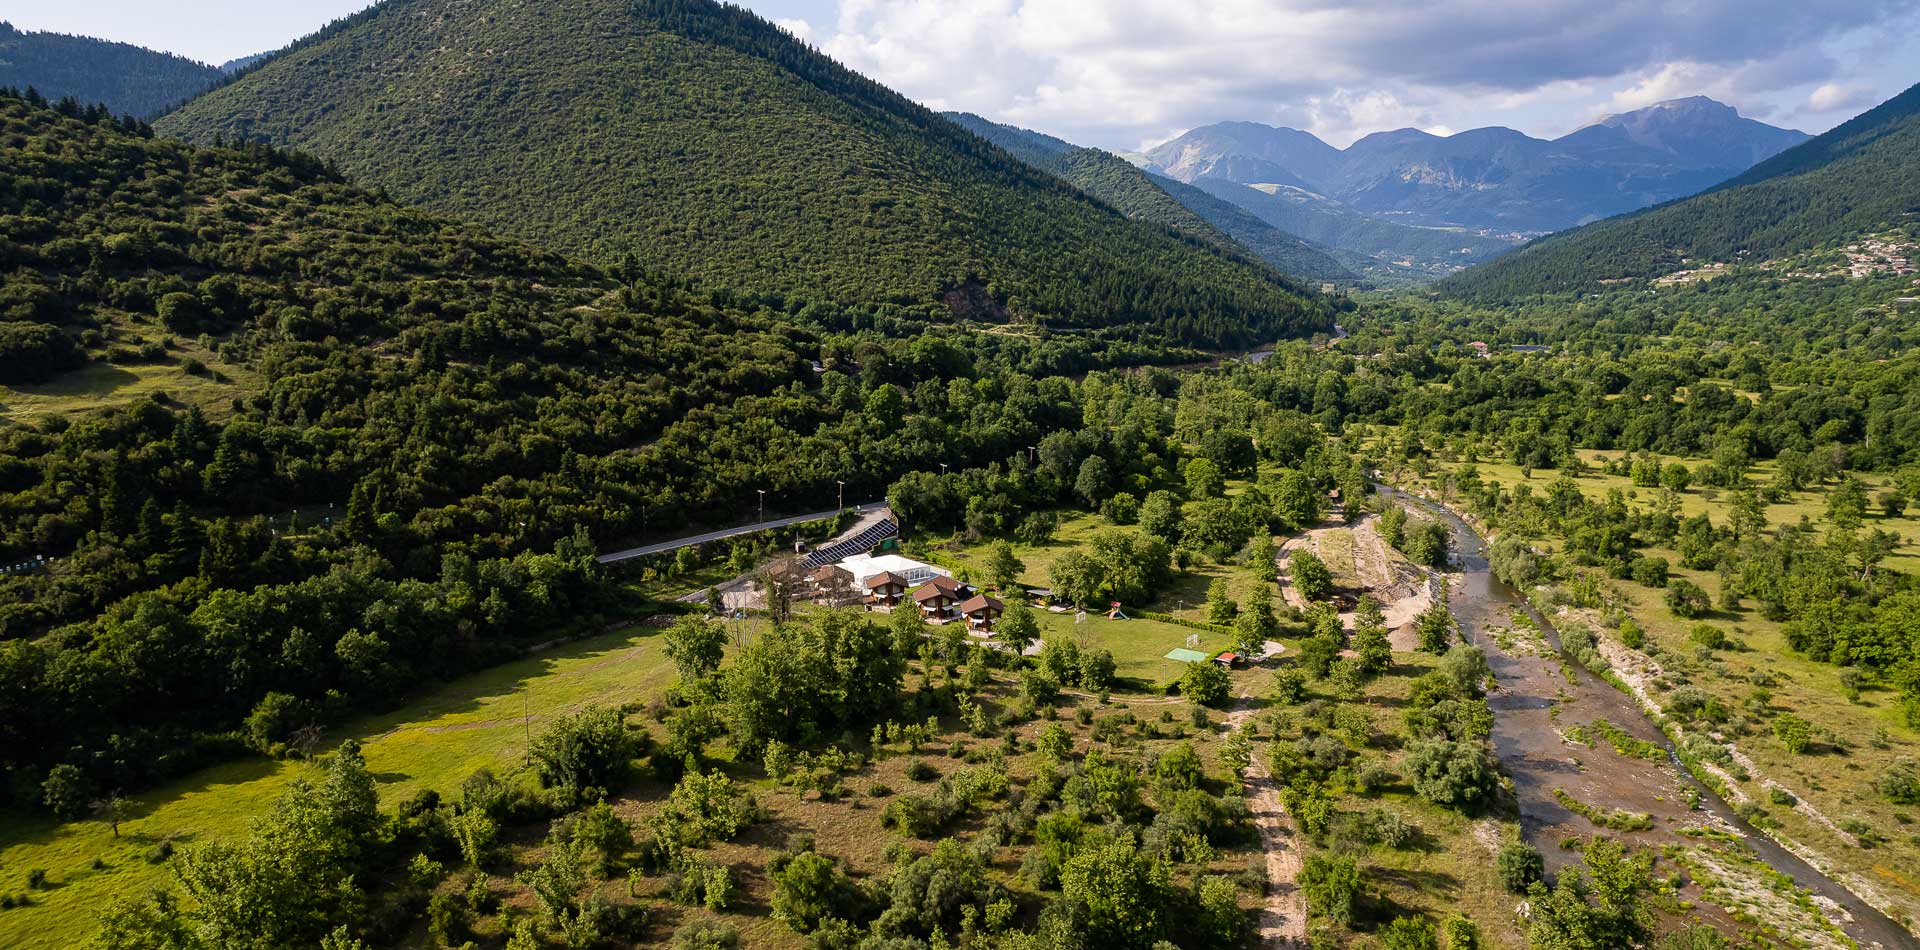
[(1122, 508), (1518, 866), (808, 890), (1332, 886), (1650, 571), (1793, 732), (1707, 635), (1687, 600), (587, 751), (1289, 685), (1900, 783), (1631, 635), (1446, 772), (916, 815), (1205, 683), (706, 934), (1408, 933), (920, 771)]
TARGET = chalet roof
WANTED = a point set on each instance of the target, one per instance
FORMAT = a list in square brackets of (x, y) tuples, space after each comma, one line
[(980, 602), (947, 584), (829, 572), (931, 591), (885, 579)]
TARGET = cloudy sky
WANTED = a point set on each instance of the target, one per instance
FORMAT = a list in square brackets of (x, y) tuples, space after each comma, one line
[(1126, 73)]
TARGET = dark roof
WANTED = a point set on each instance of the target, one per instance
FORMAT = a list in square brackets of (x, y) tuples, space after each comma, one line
[(929, 591), (830, 572), (945, 583), (981, 602), (885, 579)]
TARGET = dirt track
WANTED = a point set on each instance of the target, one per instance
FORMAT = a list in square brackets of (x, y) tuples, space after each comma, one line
[(1283, 918)]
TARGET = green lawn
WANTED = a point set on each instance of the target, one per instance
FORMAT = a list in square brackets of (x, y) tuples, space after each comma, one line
[(99, 385), (435, 741), (1139, 646)]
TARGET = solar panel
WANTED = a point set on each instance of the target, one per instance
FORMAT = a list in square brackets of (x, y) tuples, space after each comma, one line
[(859, 543)]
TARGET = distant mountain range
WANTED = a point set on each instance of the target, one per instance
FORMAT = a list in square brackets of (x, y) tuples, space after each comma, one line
[(127, 79), (1861, 176), (1495, 181), (1143, 196), (697, 139)]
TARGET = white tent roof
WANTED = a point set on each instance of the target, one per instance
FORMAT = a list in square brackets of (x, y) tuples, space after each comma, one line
[(864, 566)]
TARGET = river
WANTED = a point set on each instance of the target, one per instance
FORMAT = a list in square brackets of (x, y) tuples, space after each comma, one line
[(1538, 700)]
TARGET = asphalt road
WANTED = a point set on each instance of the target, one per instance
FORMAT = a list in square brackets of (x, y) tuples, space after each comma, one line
[(726, 533)]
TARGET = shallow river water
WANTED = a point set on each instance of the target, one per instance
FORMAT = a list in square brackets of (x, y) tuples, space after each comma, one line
[(1538, 700)]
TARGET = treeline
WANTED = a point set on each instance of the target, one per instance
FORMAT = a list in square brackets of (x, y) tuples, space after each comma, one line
[(123, 78)]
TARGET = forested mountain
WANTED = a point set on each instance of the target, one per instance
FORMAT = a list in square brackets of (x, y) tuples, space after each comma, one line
[(127, 79), (704, 141), (1492, 179), (1861, 176), (1138, 194), (461, 401)]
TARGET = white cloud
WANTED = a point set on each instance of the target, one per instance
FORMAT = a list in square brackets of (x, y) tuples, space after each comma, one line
[(1835, 97), (1119, 72), (798, 27)]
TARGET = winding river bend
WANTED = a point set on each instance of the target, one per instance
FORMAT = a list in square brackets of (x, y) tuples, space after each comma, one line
[(1538, 700)]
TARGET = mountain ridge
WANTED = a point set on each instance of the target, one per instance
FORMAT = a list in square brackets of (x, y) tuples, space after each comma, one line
[(707, 142), (1861, 175), (1494, 178), (1140, 194), (127, 79)]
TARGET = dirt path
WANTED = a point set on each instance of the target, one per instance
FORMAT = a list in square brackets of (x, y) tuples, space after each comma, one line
[(1283, 919)]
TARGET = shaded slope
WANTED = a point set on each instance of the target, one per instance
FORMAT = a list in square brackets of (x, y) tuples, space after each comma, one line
[(127, 79), (1144, 196), (701, 140)]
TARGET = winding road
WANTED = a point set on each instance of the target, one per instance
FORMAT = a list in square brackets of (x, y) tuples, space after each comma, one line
[(725, 533)]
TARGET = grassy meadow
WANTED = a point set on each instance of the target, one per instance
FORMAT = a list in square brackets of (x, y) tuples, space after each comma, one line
[(434, 741)]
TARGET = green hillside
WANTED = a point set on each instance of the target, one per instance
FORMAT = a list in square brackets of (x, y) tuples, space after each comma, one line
[(127, 79), (1862, 175), (701, 140), (419, 433), (1137, 194)]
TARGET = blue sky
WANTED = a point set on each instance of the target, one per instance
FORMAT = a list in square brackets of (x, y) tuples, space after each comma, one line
[(1123, 74)]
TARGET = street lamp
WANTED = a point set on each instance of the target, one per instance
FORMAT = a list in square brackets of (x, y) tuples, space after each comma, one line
[(842, 500), (943, 468), (1030, 450), (763, 503)]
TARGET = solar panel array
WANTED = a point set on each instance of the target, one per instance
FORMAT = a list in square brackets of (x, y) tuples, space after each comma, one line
[(860, 543)]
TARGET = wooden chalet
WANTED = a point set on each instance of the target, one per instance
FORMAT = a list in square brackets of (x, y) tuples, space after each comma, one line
[(936, 601), (981, 611), (885, 589)]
